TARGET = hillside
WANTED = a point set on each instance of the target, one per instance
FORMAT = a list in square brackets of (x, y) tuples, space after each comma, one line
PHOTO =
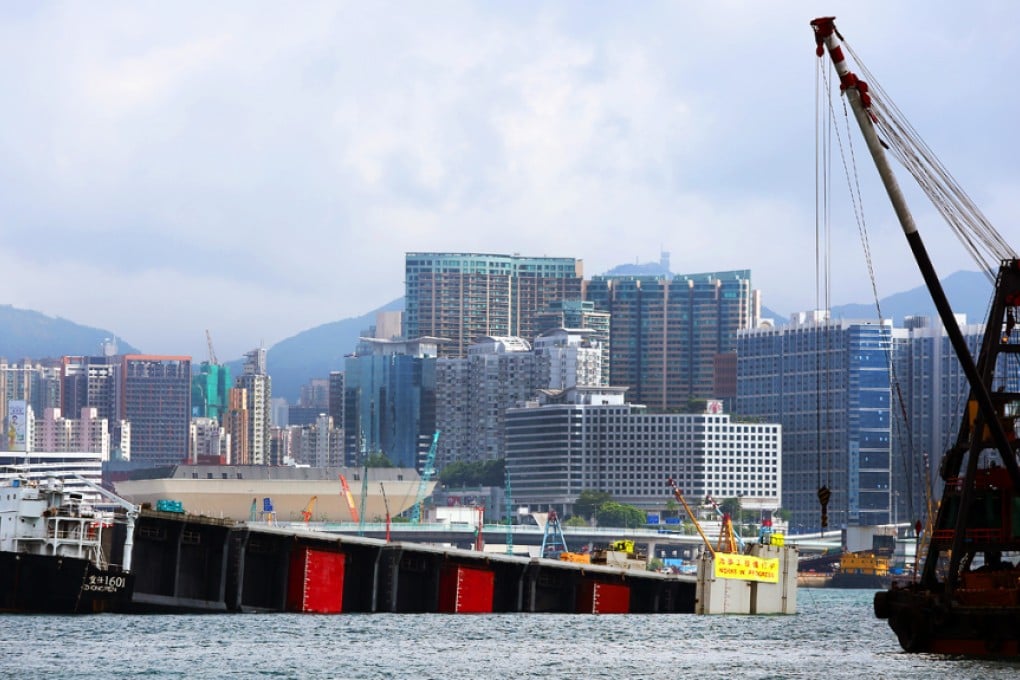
[(968, 292), (315, 352), (24, 333)]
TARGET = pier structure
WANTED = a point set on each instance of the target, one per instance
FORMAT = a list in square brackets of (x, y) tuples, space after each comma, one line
[(193, 563)]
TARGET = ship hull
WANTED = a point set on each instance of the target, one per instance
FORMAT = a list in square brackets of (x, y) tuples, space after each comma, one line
[(859, 581), (59, 585), (924, 624)]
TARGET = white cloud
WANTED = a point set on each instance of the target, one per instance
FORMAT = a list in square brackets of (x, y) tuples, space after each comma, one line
[(259, 169)]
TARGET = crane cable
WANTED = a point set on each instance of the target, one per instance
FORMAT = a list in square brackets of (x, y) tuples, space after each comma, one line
[(985, 244)]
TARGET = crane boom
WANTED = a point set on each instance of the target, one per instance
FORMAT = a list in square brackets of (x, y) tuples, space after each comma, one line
[(680, 497), (349, 498), (306, 514), (427, 471)]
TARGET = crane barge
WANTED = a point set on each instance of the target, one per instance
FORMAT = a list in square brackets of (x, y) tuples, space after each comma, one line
[(967, 599)]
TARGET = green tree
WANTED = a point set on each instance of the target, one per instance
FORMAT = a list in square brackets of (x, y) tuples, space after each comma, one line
[(589, 502), (480, 473), (575, 521), (378, 460), (613, 514), (731, 506)]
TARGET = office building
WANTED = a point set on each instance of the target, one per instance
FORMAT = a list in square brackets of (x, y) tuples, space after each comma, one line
[(590, 439), (828, 383), (389, 400)]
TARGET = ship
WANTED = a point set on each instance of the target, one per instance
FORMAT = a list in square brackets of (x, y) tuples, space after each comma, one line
[(58, 554), (966, 598)]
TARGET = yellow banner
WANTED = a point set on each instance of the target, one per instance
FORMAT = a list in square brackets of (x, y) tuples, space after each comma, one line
[(746, 568)]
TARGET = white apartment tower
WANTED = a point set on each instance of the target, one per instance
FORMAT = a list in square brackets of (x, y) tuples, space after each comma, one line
[(258, 394)]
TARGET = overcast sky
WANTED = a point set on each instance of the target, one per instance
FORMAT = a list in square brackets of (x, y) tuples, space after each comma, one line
[(258, 169)]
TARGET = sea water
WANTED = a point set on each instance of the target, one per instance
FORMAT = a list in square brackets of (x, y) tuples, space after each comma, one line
[(834, 635)]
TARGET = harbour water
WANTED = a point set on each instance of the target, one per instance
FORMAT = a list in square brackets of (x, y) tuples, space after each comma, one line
[(834, 635)]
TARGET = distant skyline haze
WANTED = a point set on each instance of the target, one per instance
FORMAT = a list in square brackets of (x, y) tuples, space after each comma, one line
[(258, 169)]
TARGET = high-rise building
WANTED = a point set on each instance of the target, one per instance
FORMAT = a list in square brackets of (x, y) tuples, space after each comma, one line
[(666, 332), (390, 401), (209, 390), (335, 407), (934, 391), (236, 426), (34, 383), (155, 394), (473, 393), (828, 383), (463, 296), (210, 443), (258, 389), (93, 382), (57, 434), (580, 314)]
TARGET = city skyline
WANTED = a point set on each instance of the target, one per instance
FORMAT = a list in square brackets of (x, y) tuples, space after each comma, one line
[(259, 158)]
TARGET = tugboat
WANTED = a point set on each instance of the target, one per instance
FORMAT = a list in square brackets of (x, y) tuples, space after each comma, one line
[(56, 549), (967, 599)]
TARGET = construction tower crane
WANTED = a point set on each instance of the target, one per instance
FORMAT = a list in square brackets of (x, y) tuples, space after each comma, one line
[(427, 471), (212, 352)]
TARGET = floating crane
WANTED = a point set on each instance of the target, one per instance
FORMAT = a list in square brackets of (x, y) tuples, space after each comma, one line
[(427, 471)]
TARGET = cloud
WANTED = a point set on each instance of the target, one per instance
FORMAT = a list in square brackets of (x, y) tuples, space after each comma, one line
[(258, 169)]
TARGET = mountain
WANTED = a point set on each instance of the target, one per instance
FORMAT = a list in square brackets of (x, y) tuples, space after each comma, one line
[(968, 292), (315, 352), (24, 333)]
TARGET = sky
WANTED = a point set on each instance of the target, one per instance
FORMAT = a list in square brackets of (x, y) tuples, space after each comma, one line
[(256, 169)]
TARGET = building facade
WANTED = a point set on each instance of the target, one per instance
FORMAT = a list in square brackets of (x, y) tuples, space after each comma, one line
[(464, 296), (828, 383), (209, 390), (390, 400), (155, 397), (665, 333), (589, 439), (258, 391)]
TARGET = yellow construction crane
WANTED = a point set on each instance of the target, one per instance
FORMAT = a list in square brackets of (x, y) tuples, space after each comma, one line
[(306, 514), (680, 497)]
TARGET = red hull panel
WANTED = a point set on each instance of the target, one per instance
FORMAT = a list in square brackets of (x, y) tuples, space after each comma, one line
[(594, 597), (316, 581), (465, 590)]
